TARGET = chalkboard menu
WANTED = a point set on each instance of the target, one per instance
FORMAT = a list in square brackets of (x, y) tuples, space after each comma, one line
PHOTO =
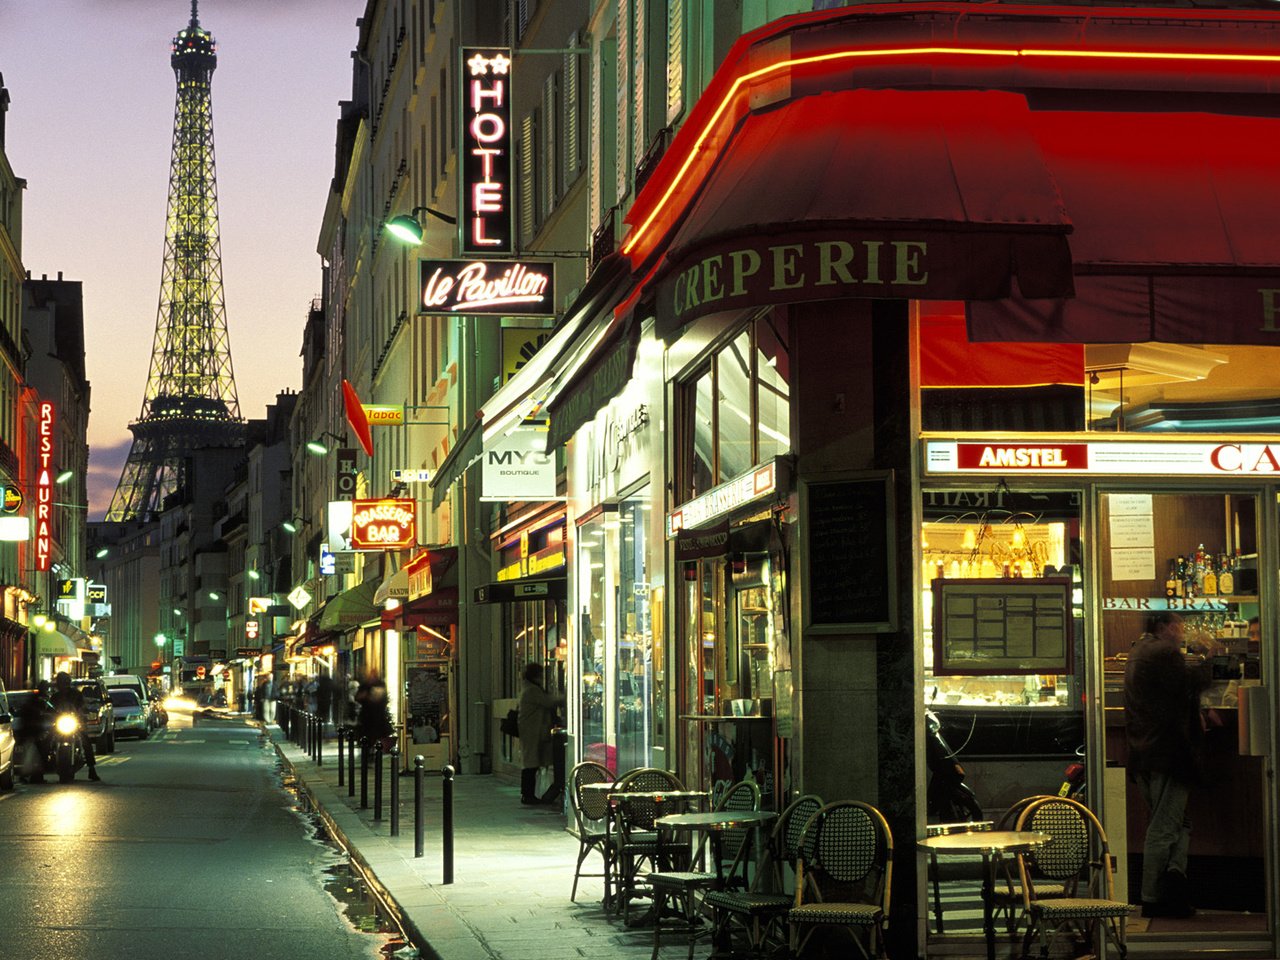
[(847, 525)]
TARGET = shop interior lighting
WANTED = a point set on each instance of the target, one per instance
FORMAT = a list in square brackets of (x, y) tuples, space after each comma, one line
[(407, 228)]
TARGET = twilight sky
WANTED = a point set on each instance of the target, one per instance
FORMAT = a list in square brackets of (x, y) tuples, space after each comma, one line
[(90, 129)]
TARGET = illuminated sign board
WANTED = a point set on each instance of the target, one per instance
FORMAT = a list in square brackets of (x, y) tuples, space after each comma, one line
[(384, 524), (384, 414), (15, 529), (328, 563), (11, 499), (1190, 459), (411, 476), (69, 590), (258, 605), (299, 596), (516, 468), (251, 629), (505, 288), (345, 477), (44, 488), (486, 200), (722, 499), (97, 593)]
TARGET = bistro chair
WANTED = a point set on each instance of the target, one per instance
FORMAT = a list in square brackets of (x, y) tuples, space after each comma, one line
[(758, 909), (589, 812), (636, 839), (683, 885), (1007, 896), (1077, 856), (843, 876), (958, 867)]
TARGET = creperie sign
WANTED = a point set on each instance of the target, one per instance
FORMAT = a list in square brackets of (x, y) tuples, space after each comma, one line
[(486, 151), (384, 524), (1190, 459), (44, 488)]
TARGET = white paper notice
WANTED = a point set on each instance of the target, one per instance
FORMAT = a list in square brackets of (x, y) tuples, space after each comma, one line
[(1132, 530), (1133, 563), (1128, 504)]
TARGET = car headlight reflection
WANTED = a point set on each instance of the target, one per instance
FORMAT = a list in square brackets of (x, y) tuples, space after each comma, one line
[(66, 724)]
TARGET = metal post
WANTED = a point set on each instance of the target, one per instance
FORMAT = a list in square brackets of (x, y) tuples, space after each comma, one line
[(446, 821), (364, 774), (319, 741), (419, 824), (340, 756), (351, 763), (377, 780), (395, 788)]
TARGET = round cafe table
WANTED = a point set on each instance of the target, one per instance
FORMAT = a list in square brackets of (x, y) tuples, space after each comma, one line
[(990, 844)]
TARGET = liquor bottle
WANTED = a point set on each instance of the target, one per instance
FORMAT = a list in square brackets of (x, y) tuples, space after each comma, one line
[(1180, 565), (1227, 577), (1171, 581), (1210, 577), (1198, 571)]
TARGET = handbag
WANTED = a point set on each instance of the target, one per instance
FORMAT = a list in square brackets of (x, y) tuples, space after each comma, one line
[(510, 724)]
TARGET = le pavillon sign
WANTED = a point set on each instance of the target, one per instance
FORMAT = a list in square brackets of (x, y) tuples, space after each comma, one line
[(502, 287), (486, 201)]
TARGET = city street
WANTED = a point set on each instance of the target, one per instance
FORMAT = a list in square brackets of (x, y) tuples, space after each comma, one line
[(188, 846)]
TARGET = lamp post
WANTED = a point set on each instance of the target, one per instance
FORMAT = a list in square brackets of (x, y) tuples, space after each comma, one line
[(319, 447), (407, 228)]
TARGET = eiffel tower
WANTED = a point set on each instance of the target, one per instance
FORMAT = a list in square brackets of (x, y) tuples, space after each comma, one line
[(191, 392)]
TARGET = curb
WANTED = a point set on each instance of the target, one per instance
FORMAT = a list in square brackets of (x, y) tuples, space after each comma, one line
[(411, 931)]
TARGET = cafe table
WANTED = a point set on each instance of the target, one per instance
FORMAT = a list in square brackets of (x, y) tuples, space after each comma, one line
[(991, 844)]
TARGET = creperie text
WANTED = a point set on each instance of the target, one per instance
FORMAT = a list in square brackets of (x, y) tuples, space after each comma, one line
[(44, 488)]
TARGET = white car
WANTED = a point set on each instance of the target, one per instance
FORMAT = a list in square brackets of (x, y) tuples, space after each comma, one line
[(7, 753), (131, 715)]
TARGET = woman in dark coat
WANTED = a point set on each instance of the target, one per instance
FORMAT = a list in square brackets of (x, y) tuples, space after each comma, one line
[(537, 714)]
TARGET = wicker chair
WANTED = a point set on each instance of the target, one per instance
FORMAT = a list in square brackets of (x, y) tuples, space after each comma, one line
[(758, 909), (843, 876), (1078, 857), (1007, 896), (636, 839), (589, 812), (683, 885)]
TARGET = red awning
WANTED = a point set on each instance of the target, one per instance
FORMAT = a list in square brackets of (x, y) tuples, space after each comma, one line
[(948, 359), (1175, 233), (871, 193)]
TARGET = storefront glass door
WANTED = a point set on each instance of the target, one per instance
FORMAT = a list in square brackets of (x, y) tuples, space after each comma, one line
[(1182, 571)]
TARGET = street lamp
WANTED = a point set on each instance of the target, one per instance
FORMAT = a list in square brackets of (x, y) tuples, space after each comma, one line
[(64, 476), (101, 553), (319, 448), (407, 228), (253, 574)]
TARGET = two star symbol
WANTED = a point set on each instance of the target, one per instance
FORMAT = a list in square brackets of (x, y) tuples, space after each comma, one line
[(480, 64)]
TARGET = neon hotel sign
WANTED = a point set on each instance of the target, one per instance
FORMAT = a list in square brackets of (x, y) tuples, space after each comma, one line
[(486, 151), (44, 487)]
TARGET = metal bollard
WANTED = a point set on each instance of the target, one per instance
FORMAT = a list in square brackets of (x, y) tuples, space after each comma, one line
[(351, 763), (319, 741), (339, 756), (377, 781), (364, 774), (395, 788), (446, 821), (419, 821)]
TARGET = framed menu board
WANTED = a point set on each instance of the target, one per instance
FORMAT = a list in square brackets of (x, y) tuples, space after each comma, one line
[(1016, 626), (847, 525)]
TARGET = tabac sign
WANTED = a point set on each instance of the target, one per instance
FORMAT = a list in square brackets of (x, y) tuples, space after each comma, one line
[(384, 524), (507, 288), (486, 200)]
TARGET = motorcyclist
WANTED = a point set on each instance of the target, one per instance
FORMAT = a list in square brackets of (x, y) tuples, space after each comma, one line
[(34, 720), (67, 699)]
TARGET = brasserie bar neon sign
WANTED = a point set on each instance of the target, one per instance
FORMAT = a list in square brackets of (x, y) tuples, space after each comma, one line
[(383, 524), (486, 151), (505, 287), (44, 489)]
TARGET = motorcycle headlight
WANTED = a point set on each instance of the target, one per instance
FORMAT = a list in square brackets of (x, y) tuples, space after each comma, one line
[(66, 724)]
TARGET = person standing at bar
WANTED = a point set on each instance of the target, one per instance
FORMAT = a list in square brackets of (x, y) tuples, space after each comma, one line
[(1162, 721)]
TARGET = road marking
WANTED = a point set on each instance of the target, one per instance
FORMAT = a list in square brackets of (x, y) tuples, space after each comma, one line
[(243, 742), (113, 760)]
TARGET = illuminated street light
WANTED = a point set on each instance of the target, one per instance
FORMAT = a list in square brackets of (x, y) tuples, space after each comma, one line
[(407, 228), (64, 476), (254, 575), (102, 553)]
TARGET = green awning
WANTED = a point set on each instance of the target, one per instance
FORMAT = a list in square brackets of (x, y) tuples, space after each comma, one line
[(350, 608)]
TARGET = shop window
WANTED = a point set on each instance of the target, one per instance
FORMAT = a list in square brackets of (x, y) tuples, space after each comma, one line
[(592, 632), (734, 402), (702, 432)]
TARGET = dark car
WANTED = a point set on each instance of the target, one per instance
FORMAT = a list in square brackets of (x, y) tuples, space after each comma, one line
[(99, 718)]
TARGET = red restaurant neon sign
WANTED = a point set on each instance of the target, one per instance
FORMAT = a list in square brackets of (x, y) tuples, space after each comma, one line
[(44, 489)]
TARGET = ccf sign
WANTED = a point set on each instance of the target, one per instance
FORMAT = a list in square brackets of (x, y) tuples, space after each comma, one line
[(516, 468)]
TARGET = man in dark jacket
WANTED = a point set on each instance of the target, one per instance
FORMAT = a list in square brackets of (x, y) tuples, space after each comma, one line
[(1162, 720), (67, 699)]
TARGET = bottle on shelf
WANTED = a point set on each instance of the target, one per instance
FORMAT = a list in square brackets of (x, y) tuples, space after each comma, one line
[(1210, 576), (1171, 581), (1197, 571), (1180, 567), (1226, 576)]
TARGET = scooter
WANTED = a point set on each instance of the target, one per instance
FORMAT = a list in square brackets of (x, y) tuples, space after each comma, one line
[(1073, 778), (949, 798), (66, 755)]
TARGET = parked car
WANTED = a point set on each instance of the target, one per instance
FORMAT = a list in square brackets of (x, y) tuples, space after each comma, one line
[(8, 756), (99, 718), (131, 681), (132, 718)]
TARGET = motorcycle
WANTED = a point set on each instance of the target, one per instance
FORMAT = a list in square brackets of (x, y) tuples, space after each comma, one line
[(949, 798), (66, 755), (1073, 778)]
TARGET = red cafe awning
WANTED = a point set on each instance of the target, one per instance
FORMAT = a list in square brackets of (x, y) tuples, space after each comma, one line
[(926, 195), (948, 359), (1174, 237)]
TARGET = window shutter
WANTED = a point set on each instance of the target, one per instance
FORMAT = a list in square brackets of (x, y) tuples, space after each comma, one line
[(595, 149), (639, 82), (623, 152), (528, 180), (675, 60), (550, 143), (572, 96)]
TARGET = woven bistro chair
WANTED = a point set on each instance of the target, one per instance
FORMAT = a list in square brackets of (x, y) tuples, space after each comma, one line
[(589, 812), (843, 876), (1077, 856), (1007, 896), (636, 839), (758, 909), (683, 885)]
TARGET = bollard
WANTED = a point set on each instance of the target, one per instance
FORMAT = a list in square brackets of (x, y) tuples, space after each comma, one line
[(319, 742), (419, 824), (339, 756), (377, 781), (395, 788), (446, 821), (351, 763), (364, 774)]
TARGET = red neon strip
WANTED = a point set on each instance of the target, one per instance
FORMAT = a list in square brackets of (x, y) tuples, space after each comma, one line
[(731, 95)]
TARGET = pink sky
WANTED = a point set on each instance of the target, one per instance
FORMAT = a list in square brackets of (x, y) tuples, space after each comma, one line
[(90, 128)]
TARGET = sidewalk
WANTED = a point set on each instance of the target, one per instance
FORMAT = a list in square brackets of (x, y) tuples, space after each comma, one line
[(513, 869)]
